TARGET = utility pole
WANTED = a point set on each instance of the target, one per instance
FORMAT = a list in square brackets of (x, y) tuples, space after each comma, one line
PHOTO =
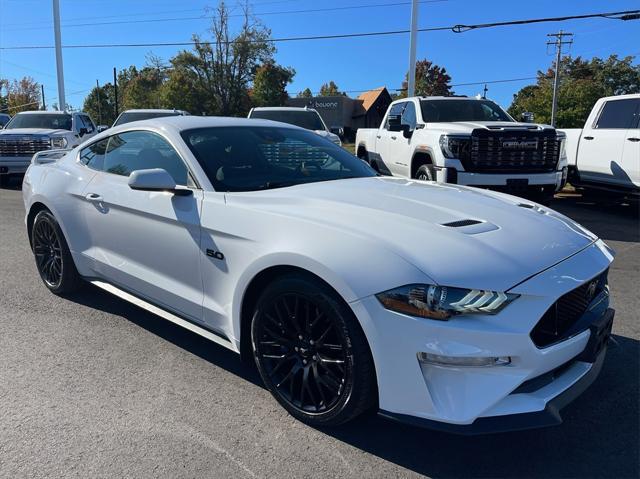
[(56, 29), (44, 103), (412, 49), (556, 80), (99, 101), (115, 90), (484, 92)]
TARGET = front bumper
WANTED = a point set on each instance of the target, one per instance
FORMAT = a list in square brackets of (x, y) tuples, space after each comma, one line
[(556, 179), (13, 165), (483, 399)]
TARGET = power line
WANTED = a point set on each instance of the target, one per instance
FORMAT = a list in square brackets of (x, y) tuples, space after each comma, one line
[(204, 16), (628, 14)]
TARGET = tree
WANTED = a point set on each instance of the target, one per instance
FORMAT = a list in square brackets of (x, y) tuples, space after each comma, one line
[(330, 89), (22, 95), (100, 104), (582, 83), (270, 83), (306, 93), (431, 80), (4, 97)]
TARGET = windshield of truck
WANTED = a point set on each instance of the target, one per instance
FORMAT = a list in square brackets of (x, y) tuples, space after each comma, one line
[(440, 111), (309, 120), (48, 121), (129, 116)]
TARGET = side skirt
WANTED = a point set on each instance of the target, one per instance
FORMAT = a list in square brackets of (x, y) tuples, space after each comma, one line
[(141, 303)]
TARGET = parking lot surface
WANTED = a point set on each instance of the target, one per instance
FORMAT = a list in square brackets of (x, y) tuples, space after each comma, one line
[(93, 386)]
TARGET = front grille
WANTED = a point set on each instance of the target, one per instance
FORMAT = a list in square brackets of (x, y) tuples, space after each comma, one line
[(22, 145), (512, 151), (556, 324)]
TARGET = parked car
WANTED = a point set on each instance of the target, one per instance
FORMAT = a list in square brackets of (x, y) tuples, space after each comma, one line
[(32, 131), (138, 115), (440, 305), (4, 119), (465, 141), (604, 156), (306, 118)]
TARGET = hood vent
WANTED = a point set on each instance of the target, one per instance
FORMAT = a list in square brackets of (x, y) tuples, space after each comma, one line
[(461, 223)]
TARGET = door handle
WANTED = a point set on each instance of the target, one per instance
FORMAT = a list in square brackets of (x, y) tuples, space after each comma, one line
[(588, 138), (633, 138), (93, 197), (393, 137), (378, 137)]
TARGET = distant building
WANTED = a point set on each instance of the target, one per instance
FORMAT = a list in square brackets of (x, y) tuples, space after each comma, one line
[(366, 111)]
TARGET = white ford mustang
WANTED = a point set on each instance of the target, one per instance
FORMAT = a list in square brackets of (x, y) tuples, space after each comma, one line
[(441, 305)]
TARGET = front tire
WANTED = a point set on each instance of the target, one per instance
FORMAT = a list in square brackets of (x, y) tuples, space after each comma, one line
[(426, 173), (53, 258), (311, 352)]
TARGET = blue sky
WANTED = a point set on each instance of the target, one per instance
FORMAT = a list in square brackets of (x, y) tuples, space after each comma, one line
[(354, 64)]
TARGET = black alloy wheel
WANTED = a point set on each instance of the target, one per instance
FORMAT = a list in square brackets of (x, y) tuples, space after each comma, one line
[(53, 259), (311, 355), (426, 173)]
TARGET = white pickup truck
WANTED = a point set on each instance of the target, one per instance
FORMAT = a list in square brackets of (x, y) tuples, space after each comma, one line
[(466, 141), (604, 156), (32, 131)]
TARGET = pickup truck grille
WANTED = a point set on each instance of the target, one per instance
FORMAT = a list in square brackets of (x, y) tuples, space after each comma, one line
[(22, 145), (512, 151)]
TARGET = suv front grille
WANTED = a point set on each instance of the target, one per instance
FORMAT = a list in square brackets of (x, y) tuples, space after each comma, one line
[(22, 145), (512, 151), (556, 324)]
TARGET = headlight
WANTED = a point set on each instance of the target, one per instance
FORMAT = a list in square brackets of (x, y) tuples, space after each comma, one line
[(59, 142), (563, 146), (442, 302), (455, 146)]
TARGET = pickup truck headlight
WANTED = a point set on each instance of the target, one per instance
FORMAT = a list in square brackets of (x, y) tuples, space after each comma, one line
[(455, 146), (59, 142), (442, 302)]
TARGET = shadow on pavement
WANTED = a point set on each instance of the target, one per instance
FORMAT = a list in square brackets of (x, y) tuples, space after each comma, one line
[(608, 219)]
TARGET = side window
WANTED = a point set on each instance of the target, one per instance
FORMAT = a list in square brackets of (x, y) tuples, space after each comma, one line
[(93, 155), (143, 150), (396, 110), (409, 116), (618, 114)]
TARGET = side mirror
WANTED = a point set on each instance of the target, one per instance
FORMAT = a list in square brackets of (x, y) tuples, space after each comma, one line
[(156, 179), (395, 123), (407, 132), (83, 131), (102, 128), (337, 131), (527, 117)]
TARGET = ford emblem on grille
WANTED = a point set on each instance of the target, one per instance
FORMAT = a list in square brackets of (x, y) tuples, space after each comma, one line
[(591, 290), (520, 144)]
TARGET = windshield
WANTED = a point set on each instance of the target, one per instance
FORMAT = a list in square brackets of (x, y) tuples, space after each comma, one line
[(309, 120), (439, 111), (259, 158), (4, 119), (58, 121), (128, 117)]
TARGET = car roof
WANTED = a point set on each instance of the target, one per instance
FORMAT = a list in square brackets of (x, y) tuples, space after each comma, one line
[(152, 110), (42, 112)]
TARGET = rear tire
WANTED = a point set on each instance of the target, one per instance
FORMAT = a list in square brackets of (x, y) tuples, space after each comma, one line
[(426, 173), (311, 352), (53, 258)]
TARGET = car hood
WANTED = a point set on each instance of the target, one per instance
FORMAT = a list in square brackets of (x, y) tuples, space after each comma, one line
[(514, 239), (327, 134), (33, 131), (469, 126)]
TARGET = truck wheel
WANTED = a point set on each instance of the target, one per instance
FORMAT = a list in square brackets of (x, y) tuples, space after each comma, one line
[(426, 173), (4, 180)]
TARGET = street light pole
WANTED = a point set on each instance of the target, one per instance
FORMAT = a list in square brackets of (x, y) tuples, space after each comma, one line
[(556, 79), (412, 49), (56, 28)]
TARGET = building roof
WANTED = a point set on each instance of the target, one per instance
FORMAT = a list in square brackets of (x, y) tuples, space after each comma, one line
[(369, 98)]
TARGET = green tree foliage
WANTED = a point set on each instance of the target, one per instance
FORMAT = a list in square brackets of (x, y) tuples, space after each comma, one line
[(306, 93), (431, 80), (100, 104), (19, 95), (330, 89), (270, 84), (582, 83)]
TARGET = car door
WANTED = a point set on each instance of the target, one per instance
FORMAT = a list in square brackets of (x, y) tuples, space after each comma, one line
[(630, 164), (601, 148), (147, 243), (89, 126), (395, 152)]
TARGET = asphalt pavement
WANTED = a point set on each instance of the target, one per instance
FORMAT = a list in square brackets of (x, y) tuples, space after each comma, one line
[(91, 386)]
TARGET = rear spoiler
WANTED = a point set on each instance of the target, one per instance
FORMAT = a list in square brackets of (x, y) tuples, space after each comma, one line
[(48, 156)]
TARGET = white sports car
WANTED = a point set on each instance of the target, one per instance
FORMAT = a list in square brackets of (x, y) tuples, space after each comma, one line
[(445, 306)]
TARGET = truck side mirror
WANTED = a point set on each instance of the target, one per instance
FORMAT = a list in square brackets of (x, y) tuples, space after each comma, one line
[(83, 131), (395, 123), (407, 132), (526, 117)]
